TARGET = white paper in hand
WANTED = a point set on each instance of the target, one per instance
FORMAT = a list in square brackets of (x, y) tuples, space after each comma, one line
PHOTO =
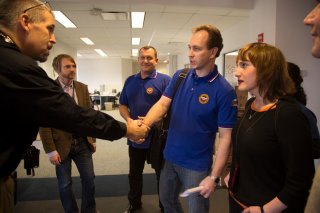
[(187, 192)]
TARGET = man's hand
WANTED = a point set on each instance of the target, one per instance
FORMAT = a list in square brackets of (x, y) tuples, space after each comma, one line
[(55, 160), (208, 187), (94, 147), (137, 131)]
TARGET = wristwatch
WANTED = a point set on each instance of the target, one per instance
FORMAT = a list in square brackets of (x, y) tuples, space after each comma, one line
[(216, 180)]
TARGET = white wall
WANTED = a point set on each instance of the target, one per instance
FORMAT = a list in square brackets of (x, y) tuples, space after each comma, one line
[(127, 69), (281, 23), (294, 39), (161, 67), (105, 71), (261, 20)]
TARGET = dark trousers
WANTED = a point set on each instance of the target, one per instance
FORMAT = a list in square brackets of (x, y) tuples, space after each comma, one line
[(137, 161)]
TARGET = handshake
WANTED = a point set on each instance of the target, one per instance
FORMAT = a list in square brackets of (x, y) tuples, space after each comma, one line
[(137, 130)]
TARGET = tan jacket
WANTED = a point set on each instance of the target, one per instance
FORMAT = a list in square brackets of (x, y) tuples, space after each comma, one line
[(55, 139)]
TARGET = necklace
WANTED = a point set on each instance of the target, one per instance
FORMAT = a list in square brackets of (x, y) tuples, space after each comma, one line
[(252, 114), (6, 38)]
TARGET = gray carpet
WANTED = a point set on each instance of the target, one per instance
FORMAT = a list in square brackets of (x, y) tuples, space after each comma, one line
[(32, 189)]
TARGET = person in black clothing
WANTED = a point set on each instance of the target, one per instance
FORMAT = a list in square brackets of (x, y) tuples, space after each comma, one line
[(272, 164), (312, 20), (29, 98), (301, 97)]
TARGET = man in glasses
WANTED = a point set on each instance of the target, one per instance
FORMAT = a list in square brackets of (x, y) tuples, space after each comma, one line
[(31, 99), (313, 20)]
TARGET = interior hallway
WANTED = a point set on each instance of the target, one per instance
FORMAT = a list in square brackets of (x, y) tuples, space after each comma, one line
[(111, 162)]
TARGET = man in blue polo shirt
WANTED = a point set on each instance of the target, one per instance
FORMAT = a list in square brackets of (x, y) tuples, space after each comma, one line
[(139, 93), (203, 104)]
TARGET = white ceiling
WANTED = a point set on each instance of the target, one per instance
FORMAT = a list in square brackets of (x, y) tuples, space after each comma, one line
[(167, 25)]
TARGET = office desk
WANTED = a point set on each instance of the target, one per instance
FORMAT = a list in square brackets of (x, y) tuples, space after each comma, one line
[(106, 98)]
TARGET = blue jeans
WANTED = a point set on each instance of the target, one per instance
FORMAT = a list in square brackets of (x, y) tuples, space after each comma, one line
[(173, 179), (82, 156)]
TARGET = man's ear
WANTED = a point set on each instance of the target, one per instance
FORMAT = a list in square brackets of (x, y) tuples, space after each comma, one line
[(24, 21), (214, 51)]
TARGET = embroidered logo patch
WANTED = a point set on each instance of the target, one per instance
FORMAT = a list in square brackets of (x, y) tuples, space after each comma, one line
[(204, 98), (149, 90)]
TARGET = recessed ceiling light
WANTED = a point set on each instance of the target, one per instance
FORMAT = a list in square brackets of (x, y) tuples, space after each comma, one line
[(137, 19), (62, 19), (135, 41), (87, 41)]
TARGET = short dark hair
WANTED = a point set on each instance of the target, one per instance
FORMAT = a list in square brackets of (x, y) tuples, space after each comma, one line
[(214, 37), (149, 47), (56, 63), (295, 74)]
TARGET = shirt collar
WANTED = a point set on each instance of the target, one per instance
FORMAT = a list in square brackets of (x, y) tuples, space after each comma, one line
[(153, 74), (210, 77), (64, 86)]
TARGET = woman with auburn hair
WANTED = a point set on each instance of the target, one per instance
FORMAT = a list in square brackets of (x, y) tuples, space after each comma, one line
[(272, 164)]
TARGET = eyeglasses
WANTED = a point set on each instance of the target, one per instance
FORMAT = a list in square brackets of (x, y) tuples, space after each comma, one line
[(38, 5)]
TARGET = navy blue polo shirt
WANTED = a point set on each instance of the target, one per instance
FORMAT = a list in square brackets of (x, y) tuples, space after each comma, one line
[(200, 106), (139, 95)]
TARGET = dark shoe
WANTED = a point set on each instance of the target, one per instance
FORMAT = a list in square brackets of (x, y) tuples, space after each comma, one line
[(161, 207), (132, 208)]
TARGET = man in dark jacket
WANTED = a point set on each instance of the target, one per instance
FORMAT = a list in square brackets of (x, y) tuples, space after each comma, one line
[(31, 99)]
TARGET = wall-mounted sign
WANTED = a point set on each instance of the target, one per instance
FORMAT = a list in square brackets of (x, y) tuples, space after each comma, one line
[(260, 38)]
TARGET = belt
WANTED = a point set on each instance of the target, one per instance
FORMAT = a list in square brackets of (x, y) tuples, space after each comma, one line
[(237, 201)]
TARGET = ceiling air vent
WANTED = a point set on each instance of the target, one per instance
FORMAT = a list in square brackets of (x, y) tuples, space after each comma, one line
[(113, 16), (110, 15)]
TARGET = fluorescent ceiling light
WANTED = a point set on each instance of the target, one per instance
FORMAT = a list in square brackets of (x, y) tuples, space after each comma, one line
[(135, 41), (134, 52), (87, 41), (137, 19), (100, 52), (62, 19)]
